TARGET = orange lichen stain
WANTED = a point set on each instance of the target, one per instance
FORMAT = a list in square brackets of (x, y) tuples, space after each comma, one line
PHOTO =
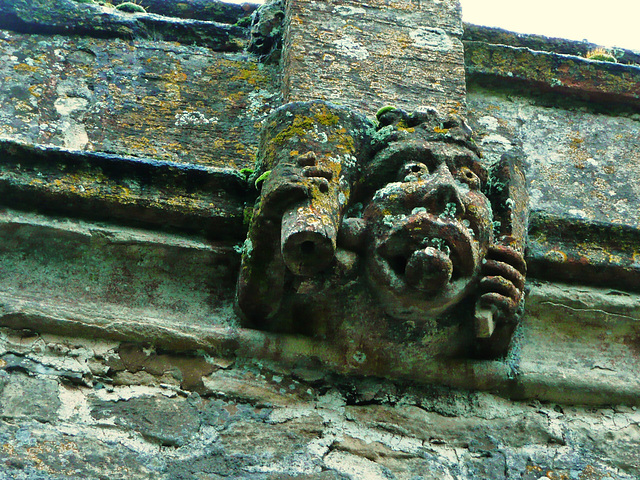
[(440, 130), (576, 142), (175, 76)]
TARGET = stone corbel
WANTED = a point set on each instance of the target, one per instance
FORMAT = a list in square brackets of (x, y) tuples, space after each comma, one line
[(432, 227), (309, 158)]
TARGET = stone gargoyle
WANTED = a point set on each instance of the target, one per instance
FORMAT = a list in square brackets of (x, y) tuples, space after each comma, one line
[(431, 225)]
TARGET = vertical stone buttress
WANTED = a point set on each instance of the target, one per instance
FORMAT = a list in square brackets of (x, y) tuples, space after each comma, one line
[(405, 53)]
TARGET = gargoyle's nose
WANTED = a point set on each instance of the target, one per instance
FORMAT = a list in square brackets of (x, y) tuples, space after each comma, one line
[(443, 197)]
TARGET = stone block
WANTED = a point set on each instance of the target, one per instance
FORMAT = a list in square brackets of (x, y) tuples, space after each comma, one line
[(161, 420), (24, 397), (152, 99), (385, 52)]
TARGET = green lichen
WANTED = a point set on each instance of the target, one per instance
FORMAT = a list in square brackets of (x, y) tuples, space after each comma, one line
[(246, 172), (247, 215), (261, 179), (130, 7), (449, 211), (383, 110), (243, 22)]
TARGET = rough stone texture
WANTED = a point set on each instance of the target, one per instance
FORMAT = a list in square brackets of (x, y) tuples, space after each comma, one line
[(385, 52), (498, 36), (141, 192), (196, 397), (326, 429), (582, 170), (211, 10), (126, 272), (101, 19), (548, 72), (77, 278), (157, 99), (594, 157)]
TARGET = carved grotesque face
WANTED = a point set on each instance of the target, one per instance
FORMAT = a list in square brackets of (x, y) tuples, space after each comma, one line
[(428, 234)]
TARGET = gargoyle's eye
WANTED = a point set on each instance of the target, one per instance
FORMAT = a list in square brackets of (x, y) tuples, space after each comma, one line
[(466, 175), (412, 171)]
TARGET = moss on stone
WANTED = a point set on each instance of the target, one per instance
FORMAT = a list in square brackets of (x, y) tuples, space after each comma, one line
[(131, 7)]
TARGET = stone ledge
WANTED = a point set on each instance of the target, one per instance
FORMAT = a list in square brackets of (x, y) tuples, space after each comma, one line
[(590, 253), (498, 36), (68, 17), (125, 189), (139, 98), (589, 335), (116, 269), (544, 72)]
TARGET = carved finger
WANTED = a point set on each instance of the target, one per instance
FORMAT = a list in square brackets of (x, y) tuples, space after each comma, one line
[(500, 285), (506, 305), (494, 267), (509, 255)]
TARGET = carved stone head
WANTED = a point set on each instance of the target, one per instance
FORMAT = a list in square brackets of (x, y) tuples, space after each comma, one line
[(430, 225)]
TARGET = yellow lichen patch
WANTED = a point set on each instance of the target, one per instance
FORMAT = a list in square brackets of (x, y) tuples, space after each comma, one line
[(236, 100), (298, 128), (251, 75), (343, 142), (36, 90), (24, 68), (325, 117), (601, 54), (139, 143), (440, 130), (22, 106), (576, 141)]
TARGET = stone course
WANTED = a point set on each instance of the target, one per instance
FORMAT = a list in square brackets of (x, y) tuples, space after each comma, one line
[(79, 408)]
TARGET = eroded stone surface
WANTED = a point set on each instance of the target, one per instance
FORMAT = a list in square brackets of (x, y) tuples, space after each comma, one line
[(158, 99), (596, 81), (79, 266), (104, 19), (582, 170), (387, 52), (335, 428)]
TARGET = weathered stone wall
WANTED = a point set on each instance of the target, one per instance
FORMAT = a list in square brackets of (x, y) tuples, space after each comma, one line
[(94, 409), (124, 209), (582, 170), (387, 52)]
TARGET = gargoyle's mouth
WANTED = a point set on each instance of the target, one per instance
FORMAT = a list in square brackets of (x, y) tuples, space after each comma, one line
[(427, 252)]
